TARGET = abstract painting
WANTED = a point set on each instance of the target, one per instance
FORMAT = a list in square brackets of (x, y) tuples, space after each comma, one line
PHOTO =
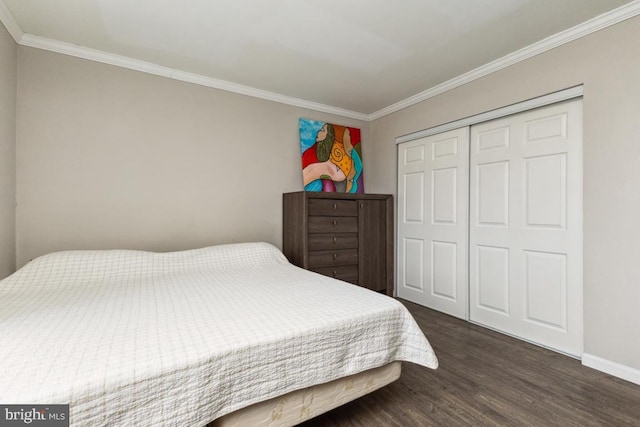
[(331, 157)]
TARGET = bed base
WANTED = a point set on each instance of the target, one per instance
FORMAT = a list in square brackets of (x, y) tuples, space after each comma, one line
[(298, 406)]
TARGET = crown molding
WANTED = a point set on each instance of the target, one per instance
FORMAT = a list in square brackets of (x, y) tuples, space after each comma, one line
[(29, 40), (605, 20), (10, 23), (147, 67), (263, 94)]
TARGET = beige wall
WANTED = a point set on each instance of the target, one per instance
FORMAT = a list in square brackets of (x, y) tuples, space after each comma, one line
[(113, 158), (608, 64), (8, 82)]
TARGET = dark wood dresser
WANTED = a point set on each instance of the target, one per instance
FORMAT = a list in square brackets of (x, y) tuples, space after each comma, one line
[(346, 236)]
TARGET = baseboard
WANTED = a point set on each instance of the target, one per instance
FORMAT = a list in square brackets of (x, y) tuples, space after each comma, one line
[(611, 368)]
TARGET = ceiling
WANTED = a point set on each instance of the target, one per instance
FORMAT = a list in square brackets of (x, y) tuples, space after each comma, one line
[(358, 55)]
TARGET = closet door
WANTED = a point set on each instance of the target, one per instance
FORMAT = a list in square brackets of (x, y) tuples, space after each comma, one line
[(433, 221), (526, 226)]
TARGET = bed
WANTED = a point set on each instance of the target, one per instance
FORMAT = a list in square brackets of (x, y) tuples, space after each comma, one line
[(134, 338)]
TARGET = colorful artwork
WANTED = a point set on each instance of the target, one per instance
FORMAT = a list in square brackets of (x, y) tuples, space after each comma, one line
[(331, 157)]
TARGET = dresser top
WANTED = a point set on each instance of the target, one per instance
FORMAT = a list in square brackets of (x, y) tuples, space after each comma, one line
[(346, 196)]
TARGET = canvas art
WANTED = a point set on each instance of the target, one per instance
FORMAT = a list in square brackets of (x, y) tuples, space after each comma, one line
[(331, 157)]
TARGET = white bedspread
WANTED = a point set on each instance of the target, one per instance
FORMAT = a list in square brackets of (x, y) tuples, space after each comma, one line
[(139, 338)]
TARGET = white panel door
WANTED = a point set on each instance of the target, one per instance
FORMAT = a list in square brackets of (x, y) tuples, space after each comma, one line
[(525, 235), (433, 186)]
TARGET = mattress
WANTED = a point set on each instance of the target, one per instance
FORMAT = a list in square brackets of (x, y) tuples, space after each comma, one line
[(183, 338)]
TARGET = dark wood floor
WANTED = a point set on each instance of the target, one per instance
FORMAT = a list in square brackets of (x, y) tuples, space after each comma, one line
[(489, 379)]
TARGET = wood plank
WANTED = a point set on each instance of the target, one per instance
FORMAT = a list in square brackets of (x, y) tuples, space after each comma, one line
[(486, 378)]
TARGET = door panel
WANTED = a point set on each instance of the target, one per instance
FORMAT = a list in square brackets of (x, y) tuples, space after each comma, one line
[(546, 191), (492, 272), (413, 266), (443, 193), (433, 221), (526, 225), (492, 192), (444, 269), (414, 206), (546, 288)]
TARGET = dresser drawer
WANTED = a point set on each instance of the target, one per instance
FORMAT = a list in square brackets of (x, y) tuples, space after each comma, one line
[(333, 224), (348, 273), (333, 207), (333, 258), (318, 242)]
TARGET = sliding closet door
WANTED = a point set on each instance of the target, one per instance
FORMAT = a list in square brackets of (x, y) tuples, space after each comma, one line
[(526, 226), (433, 197)]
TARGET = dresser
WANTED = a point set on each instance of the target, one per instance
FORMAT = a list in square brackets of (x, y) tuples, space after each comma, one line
[(346, 236)]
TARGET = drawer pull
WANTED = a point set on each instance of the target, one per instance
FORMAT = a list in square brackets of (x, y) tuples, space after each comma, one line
[(335, 256), (335, 273), (335, 239), (335, 222), (335, 206)]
